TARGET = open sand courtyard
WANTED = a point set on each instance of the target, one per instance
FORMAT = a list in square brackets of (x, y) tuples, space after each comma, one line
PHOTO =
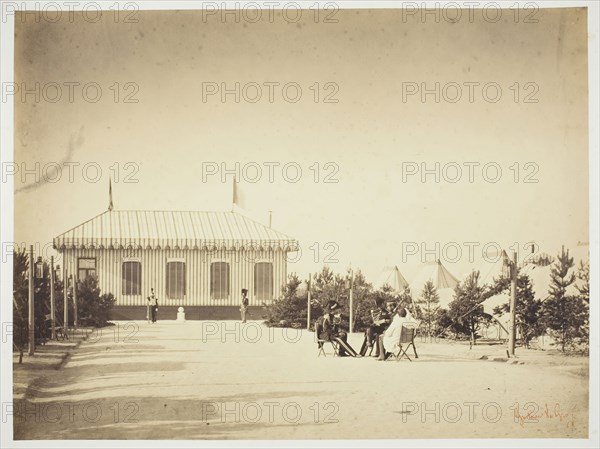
[(226, 380)]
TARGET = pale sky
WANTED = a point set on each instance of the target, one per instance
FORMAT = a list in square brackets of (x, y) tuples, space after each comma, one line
[(370, 214)]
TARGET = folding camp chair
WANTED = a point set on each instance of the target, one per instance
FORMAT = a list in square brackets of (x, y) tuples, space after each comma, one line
[(321, 342), (334, 345), (407, 339)]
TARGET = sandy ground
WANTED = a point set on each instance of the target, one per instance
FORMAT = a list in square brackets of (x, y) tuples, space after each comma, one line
[(225, 380)]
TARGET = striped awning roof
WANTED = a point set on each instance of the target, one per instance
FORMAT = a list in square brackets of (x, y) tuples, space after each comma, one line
[(173, 230)]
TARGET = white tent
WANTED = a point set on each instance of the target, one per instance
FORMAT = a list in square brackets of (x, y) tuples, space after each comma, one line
[(540, 278), (392, 277), (442, 280), (493, 269), (494, 301), (436, 273), (446, 297), (502, 319)]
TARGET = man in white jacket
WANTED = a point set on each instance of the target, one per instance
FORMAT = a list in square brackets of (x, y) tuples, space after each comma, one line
[(391, 336)]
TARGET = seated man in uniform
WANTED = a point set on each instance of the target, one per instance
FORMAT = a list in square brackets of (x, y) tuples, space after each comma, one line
[(332, 331), (382, 317)]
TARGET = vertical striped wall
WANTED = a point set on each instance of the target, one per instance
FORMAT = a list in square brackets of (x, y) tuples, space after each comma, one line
[(241, 264)]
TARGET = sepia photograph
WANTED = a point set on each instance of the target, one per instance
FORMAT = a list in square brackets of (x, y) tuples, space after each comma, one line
[(299, 224)]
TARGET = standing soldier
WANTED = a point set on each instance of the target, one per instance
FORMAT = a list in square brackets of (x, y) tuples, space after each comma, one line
[(153, 303), (244, 304)]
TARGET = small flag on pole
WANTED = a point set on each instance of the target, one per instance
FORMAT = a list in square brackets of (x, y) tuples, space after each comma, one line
[(110, 203)]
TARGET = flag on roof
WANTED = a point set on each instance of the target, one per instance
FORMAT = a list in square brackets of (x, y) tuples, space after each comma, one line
[(239, 199), (110, 203)]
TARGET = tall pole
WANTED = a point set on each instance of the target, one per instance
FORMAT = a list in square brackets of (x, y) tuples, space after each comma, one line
[(31, 343), (52, 305), (308, 303), (512, 331), (351, 301), (75, 300), (66, 299)]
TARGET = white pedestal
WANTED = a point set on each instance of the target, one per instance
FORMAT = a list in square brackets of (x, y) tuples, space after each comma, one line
[(181, 315)]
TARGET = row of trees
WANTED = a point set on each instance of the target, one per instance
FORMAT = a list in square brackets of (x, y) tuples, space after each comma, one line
[(563, 315), (93, 307)]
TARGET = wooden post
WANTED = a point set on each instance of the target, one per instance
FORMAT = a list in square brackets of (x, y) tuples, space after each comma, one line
[(31, 343), (75, 301), (351, 301), (308, 303), (512, 331), (66, 300), (52, 300)]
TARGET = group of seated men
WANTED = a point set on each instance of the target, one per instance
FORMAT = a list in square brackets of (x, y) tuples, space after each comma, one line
[(387, 322)]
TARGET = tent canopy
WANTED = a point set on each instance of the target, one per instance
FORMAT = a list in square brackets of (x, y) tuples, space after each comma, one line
[(494, 301), (436, 273), (442, 280), (490, 270), (392, 277)]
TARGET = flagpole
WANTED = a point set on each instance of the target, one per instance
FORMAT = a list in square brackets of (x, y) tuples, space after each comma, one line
[(31, 305), (110, 202), (233, 197)]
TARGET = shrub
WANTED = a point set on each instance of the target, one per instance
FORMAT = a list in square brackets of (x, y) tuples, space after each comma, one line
[(93, 307)]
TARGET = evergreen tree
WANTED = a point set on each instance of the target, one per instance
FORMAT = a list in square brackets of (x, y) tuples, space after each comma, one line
[(20, 301), (329, 286), (445, 323), (564, 314), (583, 287), (429, 308), (466, 311), (291, 308), (583, 274), (363, 301), (93, 307)]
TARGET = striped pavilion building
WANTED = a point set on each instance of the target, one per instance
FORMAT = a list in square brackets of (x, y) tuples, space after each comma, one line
[(198, 260)]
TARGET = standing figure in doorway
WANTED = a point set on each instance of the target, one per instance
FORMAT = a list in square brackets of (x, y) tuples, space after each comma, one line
[(153, 302), (244, 304)]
